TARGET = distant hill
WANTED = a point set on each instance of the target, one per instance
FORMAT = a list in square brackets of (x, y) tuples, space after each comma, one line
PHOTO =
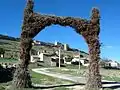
[(5, 37), (51, 45)]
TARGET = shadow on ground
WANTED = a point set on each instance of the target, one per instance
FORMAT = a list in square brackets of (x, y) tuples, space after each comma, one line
[(54, 86), (112, 85), (6, 74)]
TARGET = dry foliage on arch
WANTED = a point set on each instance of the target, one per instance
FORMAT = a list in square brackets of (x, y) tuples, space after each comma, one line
[(35, 22)]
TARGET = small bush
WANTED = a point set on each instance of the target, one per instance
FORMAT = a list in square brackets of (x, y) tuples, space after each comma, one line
[(2, 87)]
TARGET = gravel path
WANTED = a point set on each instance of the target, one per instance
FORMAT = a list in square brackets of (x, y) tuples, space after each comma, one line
[(74, 79)]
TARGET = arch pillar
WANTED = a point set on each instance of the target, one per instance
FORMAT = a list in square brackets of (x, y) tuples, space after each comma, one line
[(92, 39)]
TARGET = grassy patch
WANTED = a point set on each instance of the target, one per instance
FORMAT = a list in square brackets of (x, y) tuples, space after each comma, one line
[(47, 80), (6, 60), (111, 75), (74, 72), (75, 67), (2, 87), (62, 88), (117, 79)]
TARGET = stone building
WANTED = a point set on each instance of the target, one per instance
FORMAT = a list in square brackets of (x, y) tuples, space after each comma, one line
[(46, 59)]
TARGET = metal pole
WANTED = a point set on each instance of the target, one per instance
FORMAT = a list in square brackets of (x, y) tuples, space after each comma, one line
[(59, 57), (79, 60)]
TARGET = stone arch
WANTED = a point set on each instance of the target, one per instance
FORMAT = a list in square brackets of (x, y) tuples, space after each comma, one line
[(34, 23)]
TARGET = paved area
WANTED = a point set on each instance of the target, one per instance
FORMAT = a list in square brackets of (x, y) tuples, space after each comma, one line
[(75, 79)]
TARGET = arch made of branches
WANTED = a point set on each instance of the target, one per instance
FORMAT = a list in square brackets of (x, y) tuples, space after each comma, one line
[(34, 22)]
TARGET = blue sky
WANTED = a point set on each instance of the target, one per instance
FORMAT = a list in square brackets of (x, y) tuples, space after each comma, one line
[(11, 16)]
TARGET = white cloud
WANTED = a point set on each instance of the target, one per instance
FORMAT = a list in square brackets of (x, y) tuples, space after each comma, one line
[(106, 47)]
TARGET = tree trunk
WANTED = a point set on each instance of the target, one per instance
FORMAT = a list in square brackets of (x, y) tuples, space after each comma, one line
[(21, 76), (94, 77)]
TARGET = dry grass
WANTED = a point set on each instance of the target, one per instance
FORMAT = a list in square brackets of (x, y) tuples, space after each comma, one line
[(107, 74)]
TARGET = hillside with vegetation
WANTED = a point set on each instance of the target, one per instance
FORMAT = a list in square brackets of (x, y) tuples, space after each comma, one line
[(11, 46), (5, 37)]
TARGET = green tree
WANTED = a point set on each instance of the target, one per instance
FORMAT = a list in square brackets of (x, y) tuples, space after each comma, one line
[(2, 51)]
